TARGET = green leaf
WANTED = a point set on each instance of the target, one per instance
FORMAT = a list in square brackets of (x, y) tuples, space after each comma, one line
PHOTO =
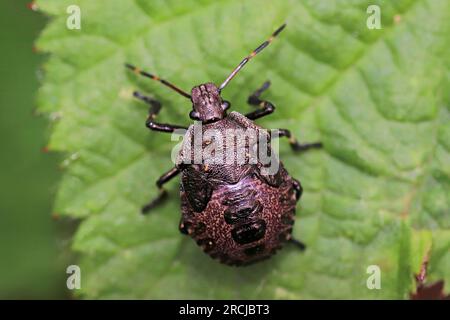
[(378, 194)]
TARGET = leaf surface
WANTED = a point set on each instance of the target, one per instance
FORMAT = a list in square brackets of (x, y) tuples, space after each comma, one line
[(377, 194)]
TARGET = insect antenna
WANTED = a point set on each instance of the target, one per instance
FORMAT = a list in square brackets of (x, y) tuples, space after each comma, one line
[(251, 55), (153, 77)]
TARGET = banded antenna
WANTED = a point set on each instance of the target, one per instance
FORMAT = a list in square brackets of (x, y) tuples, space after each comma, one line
[(153, 77), (251, 55)]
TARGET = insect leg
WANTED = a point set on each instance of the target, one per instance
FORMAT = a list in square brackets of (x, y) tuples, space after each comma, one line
[(155, 107), (297, 147), (162, 192), (297, 243), (265, 106), (298, 189)]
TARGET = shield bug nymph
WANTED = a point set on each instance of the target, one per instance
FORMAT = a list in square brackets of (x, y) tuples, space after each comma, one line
[(235, 211)]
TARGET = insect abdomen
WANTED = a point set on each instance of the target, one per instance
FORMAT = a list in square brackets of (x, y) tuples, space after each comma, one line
[(245, 222)]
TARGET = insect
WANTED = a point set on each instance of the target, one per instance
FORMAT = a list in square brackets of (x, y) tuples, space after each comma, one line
[(233, 211)]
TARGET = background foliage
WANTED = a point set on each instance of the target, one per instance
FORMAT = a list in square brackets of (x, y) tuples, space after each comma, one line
[(378, 99), (29, 263)]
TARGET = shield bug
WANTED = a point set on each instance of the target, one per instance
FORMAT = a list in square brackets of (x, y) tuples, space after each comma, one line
[(237, 211)]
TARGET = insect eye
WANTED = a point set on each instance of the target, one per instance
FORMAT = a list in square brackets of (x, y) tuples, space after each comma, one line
[(194, 115)]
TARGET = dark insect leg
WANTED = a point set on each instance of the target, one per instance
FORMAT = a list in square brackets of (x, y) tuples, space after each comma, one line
[(298, 189), (162, 192), (297, 243), (295, 145), (155, 107), (265, 106)]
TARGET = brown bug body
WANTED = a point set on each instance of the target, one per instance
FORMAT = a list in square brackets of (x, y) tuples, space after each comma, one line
[(244, 222), (237, 211)]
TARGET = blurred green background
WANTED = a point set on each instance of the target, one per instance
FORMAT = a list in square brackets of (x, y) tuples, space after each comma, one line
[(31, 265)]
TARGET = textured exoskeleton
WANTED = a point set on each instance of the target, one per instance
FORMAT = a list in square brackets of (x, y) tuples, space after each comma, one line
[(234, 211)]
